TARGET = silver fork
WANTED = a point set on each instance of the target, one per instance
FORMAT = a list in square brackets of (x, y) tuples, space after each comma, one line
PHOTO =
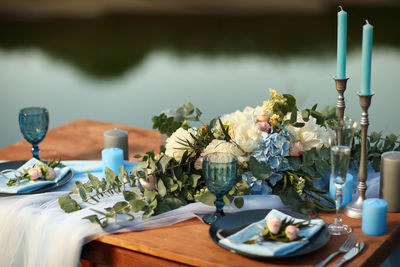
[(347, 245)]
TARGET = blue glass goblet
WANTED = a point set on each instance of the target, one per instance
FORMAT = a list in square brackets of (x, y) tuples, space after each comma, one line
[(34, 123), (219, 172)]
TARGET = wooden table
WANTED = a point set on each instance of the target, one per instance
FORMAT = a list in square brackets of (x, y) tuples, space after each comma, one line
[(185, 243)]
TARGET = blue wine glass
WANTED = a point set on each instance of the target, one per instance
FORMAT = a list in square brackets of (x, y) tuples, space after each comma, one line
[(34, 123), (220, 173)]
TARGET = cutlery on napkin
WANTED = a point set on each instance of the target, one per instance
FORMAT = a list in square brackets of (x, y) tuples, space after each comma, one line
[(270, 248)]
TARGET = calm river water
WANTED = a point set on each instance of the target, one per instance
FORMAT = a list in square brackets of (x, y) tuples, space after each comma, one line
[(127, 69)]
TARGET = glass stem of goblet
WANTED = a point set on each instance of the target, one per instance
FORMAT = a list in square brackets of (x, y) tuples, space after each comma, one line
[(338, 203), (219, 203), (35, 150)]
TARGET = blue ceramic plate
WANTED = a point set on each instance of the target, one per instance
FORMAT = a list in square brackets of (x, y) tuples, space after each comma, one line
[(234, 222)]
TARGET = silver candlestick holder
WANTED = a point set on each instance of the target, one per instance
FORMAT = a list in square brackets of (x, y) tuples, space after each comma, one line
[(354, 209), (340, 105)]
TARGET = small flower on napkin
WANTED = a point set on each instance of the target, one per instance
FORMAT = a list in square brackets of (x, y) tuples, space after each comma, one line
[(34, 172), (290, 237), (274, 225), (291, 232), (285, 230)]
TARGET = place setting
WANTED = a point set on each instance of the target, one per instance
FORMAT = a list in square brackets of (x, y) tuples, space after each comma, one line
[(33, 176)]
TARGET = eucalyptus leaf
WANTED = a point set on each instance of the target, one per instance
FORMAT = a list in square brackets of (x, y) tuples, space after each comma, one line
[(139, 167), (239, 202), (169, 203), (149, 195), (137, 205), (129, 195), (164, 162), (161, 188), (193, 179), (110, 175), (93, 219), (82, 193), (122, 174), (67, 204), (153, 204), (121, 207), (94, 181), (259, 170), (147, 213), (207, 198)]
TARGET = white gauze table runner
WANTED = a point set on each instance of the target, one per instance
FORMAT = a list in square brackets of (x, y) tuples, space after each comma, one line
[(34, 231)]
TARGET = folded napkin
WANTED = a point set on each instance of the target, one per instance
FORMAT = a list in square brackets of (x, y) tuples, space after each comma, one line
[(270, 248), (26, 186)]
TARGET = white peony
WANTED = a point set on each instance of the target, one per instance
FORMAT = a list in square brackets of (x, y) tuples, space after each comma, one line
[(224, 147), (311, 134), (175, 144), (243, 129)]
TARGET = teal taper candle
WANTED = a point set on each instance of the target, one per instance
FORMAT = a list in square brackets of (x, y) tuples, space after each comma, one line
[(341, 44), (366, 59)]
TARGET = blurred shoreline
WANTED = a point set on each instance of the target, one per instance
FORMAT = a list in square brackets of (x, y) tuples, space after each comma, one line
[(29, 9)]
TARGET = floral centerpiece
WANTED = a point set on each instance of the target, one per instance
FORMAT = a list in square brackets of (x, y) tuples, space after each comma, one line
[(281, 150)]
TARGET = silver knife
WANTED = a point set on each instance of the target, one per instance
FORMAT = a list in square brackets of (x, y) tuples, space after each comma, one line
[(351, 254)]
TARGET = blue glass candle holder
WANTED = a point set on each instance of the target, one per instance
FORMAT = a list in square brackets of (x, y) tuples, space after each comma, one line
[(219, 172), (34, 123)]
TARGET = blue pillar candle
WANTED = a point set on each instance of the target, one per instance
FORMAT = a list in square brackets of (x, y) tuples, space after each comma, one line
[(366, 58), (374, 214), (341, 44), (347, 190), (112, 158)]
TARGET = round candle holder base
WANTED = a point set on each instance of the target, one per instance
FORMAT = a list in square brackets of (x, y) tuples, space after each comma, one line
[(354, 209)]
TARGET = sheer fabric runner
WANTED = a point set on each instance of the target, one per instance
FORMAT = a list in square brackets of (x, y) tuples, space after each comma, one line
[(36, 232)]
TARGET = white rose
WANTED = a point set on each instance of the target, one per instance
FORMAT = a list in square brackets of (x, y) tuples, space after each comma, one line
[(311, 134), (224, 147), (175, 144), (243, 129)]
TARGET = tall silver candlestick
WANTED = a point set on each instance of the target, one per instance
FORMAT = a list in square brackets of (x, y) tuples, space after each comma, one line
[(340, 105), (354, 209)]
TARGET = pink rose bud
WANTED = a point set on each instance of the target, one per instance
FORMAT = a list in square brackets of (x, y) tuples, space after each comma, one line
[(291, 232), (51, 173), (198, 164), (262, 117), (274, 224), (150, 183), (296, 149), (264, 126), (35, 172)]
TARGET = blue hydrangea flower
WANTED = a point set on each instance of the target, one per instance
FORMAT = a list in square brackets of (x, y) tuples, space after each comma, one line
[(258, 187), (273, 150)]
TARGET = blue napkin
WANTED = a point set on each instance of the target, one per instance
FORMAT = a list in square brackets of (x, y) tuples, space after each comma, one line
[(26, 186), (270, 248)]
